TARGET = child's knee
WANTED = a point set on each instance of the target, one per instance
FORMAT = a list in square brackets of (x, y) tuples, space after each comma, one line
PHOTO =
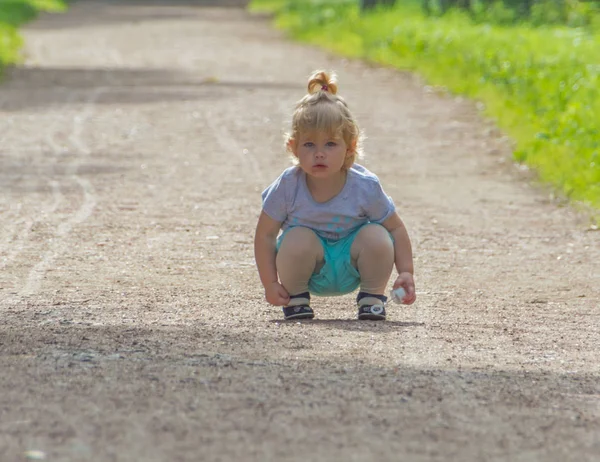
[(375, 238), (300, 241)]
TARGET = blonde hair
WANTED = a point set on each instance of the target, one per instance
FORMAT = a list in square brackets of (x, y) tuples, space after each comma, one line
[(323, 110)]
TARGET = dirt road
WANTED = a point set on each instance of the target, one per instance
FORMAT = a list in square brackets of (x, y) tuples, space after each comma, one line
[(135, 141)]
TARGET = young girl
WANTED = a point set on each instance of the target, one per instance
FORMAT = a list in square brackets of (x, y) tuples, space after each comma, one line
[(340, 229)]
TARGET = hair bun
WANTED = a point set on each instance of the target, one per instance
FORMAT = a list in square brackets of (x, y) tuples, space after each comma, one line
[(322, 81)]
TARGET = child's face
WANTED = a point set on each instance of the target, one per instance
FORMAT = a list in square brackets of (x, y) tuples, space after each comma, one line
[(320, 154)]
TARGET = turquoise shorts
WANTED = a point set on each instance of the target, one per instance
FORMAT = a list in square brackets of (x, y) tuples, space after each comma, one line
[(337, 276)]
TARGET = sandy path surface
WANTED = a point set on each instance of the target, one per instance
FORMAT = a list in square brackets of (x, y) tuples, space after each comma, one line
[(135, 141)]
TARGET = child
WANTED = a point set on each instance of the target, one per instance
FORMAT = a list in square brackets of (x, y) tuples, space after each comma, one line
[(340, 229)]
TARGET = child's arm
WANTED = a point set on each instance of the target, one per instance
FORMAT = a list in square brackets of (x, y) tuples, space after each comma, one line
[(402, 257), (264, 253)]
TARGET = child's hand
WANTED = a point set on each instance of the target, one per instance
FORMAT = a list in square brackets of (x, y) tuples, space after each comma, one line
[(276, 294), (407, 282)]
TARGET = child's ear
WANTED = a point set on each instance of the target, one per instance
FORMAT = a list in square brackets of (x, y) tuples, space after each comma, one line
[(351, 148), (291, 145)]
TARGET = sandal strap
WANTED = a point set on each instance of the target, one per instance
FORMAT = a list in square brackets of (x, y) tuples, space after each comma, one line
[(376, 310), (362, 295)]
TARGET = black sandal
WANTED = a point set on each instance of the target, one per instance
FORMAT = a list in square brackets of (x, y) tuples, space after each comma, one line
[(371, 312), (300, 311)]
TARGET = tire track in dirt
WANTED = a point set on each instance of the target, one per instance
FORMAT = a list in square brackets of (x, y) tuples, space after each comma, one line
[(16, 240), (88, 195)]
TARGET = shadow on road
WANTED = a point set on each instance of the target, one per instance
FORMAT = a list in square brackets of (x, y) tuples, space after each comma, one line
[(25, 176), (135, 11), (26, 87), (173, 376), (448, 409), (354, 324)]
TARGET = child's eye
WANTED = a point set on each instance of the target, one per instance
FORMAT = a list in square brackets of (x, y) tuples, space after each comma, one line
[(331, 144), (309, 144)]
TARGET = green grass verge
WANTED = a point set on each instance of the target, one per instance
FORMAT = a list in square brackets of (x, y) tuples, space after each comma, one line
[(541, 85), (14, 13)]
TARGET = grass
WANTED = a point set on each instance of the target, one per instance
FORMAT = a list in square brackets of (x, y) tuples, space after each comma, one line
[(14, 13), (541, 85)]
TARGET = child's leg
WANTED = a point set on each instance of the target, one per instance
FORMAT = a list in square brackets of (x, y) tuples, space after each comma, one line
[(372, 254), (299, 256)]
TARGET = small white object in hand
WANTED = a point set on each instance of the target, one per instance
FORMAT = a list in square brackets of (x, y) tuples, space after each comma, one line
[(398, 295)]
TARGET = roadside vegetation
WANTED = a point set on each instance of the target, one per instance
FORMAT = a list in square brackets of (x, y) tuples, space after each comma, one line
[(13, 14)]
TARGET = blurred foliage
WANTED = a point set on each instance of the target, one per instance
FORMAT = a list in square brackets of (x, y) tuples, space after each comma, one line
[(540, 84), (14, 13), (574, 13)]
